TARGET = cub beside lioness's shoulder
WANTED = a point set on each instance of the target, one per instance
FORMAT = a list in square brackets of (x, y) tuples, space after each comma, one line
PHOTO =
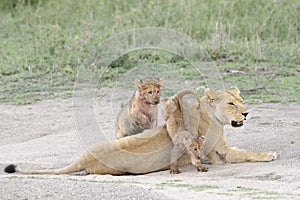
[(140, 113)]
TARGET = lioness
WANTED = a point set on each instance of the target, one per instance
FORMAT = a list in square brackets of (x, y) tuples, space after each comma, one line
[(150, 150), (178, 126), (140, 113), (220, 108)]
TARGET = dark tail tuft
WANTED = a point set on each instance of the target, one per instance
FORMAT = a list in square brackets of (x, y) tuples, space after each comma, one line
[(10, 168)]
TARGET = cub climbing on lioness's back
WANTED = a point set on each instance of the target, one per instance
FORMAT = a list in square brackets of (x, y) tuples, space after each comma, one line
[(178, 125), (140, 113)]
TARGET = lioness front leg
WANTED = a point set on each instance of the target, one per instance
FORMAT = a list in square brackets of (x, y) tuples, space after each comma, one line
[(240, 155), (232, 155)]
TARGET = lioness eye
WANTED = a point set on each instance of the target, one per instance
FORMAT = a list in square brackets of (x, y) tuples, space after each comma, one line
[(150, 92), (231, 103)]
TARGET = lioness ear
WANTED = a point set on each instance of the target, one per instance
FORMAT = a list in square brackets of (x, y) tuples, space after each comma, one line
[(160, 81), (166, 99), (138, 83), (209, 95), (235, 90)]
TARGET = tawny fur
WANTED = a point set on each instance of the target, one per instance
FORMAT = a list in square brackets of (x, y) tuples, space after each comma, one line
[(174, 111), (150, 150), (140, 113), (178, 126), (131, 155), (217, 109), (184, 142)]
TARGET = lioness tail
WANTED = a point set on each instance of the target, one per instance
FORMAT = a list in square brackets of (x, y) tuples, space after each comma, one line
[(67, 170)]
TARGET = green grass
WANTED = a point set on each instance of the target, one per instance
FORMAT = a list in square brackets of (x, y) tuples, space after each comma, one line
[(194, 187), (255, 193), (225, 194), (255, 44)]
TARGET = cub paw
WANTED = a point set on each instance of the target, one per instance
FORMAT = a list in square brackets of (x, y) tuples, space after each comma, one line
[(174, 171), (202, 169)]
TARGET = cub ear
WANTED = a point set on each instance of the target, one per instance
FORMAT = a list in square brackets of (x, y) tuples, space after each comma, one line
[(160, 81), (235, 90), (138, 83), (166, 99), (209, 95)]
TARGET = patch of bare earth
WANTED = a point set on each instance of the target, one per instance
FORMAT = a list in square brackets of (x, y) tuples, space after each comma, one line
[(44, 135)]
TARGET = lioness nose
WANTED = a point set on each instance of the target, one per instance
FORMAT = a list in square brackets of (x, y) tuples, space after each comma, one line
[(245, 115)]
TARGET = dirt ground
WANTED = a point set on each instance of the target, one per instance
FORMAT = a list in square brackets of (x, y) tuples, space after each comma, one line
[(44, 135)]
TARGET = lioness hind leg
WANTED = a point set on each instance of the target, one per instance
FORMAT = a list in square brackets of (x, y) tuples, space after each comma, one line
[(232, 155)]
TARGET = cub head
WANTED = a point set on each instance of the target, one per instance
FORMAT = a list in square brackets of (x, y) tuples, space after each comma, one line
[(195, 148), (149, 90), (226, 106)]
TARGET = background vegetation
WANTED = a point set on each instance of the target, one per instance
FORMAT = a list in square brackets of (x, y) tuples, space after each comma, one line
[(254, 43)]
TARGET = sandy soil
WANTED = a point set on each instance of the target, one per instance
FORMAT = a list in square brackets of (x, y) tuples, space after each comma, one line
[(44, 135)]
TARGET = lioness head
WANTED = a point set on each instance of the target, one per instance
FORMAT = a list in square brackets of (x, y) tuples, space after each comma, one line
[(226, 106), (149, 90)]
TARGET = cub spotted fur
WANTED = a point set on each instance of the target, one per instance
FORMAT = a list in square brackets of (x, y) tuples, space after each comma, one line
[(184, 142), (140, 113), (178, 126)]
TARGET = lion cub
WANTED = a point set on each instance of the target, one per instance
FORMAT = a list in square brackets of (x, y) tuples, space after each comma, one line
[(177, 120), (140, 112)]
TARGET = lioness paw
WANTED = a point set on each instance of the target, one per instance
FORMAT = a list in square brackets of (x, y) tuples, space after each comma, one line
[(272, 156)]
